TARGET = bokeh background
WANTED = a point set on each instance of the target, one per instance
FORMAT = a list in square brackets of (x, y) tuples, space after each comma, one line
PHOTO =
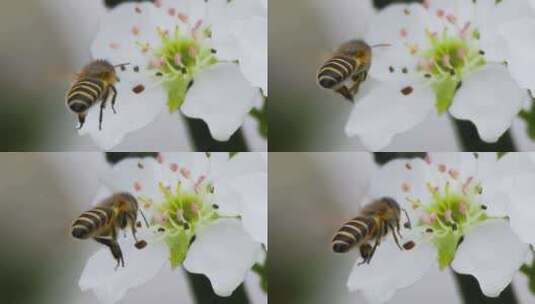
[(303, 117), (43, 44), (310, 195), (40, 263)]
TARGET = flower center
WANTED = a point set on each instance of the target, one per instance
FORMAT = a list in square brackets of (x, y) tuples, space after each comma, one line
[(180, 215), (447, 60), (454, 208), (179, 59)]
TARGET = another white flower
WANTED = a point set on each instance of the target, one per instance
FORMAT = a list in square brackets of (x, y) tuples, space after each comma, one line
[(173, 60), (443, 54), (208, 213), (458, 205)]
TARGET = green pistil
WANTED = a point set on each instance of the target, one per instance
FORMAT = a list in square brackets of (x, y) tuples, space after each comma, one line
[(454, 214), (450, 59), (194, 57), (184, 213)]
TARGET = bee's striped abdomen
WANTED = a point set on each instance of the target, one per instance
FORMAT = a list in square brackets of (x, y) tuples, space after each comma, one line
[(90, 222), (335, 71), (84, 93), (352, 233)]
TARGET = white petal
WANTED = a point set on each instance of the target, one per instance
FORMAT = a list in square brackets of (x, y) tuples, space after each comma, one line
[(254, 205), (390, 270), (252, 34), (386, 111), (223, 17), (522, 207), (401, 179), (224, 252), (493, 254), (345, 14), (520, 48), (491, 99), (409, 29), (489, 17), (222, 97), (196, 164), (134, 111), (241, 187), (140, 266), (497, 179), (116, 40), (138, 176)]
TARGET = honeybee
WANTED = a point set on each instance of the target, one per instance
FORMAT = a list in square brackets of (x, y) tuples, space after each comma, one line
[(102, 222), (93, 84), (372, 225), (347, 69)]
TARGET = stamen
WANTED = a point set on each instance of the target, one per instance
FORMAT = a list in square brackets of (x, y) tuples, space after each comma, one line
[(137, 186), (135, 30), (185, 172), (183, 17)]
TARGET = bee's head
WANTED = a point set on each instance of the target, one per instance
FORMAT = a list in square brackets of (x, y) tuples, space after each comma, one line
[(391, 203), (101, 69), (127, 202), (356, 48)]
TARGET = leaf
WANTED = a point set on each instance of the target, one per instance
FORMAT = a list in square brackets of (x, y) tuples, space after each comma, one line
[(529, 118), (446, 247), (529, 271), (445, 92), (261, 271), (178, 244), (262, 118)]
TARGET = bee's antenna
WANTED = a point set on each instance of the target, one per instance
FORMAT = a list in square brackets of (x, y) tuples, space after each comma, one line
[(381, 45), (121, 64), (144, 218)]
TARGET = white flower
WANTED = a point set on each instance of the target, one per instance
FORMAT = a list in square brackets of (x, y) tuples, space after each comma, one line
[(240, 33), (445, 55), (173, 60), (216, 203), (458, 206)]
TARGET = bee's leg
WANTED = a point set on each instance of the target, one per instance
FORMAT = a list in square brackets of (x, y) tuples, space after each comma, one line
[(344, 91), (81, 120), (114, 248), (365, 250), (357, 79), (408, 224), (395, 235), (102, 106), (114, 92), (382, 229), (132, 219)]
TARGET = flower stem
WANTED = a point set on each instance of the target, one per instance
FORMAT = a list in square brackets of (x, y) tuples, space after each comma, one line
[(203, 141), (203, 294), (470, 141)]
